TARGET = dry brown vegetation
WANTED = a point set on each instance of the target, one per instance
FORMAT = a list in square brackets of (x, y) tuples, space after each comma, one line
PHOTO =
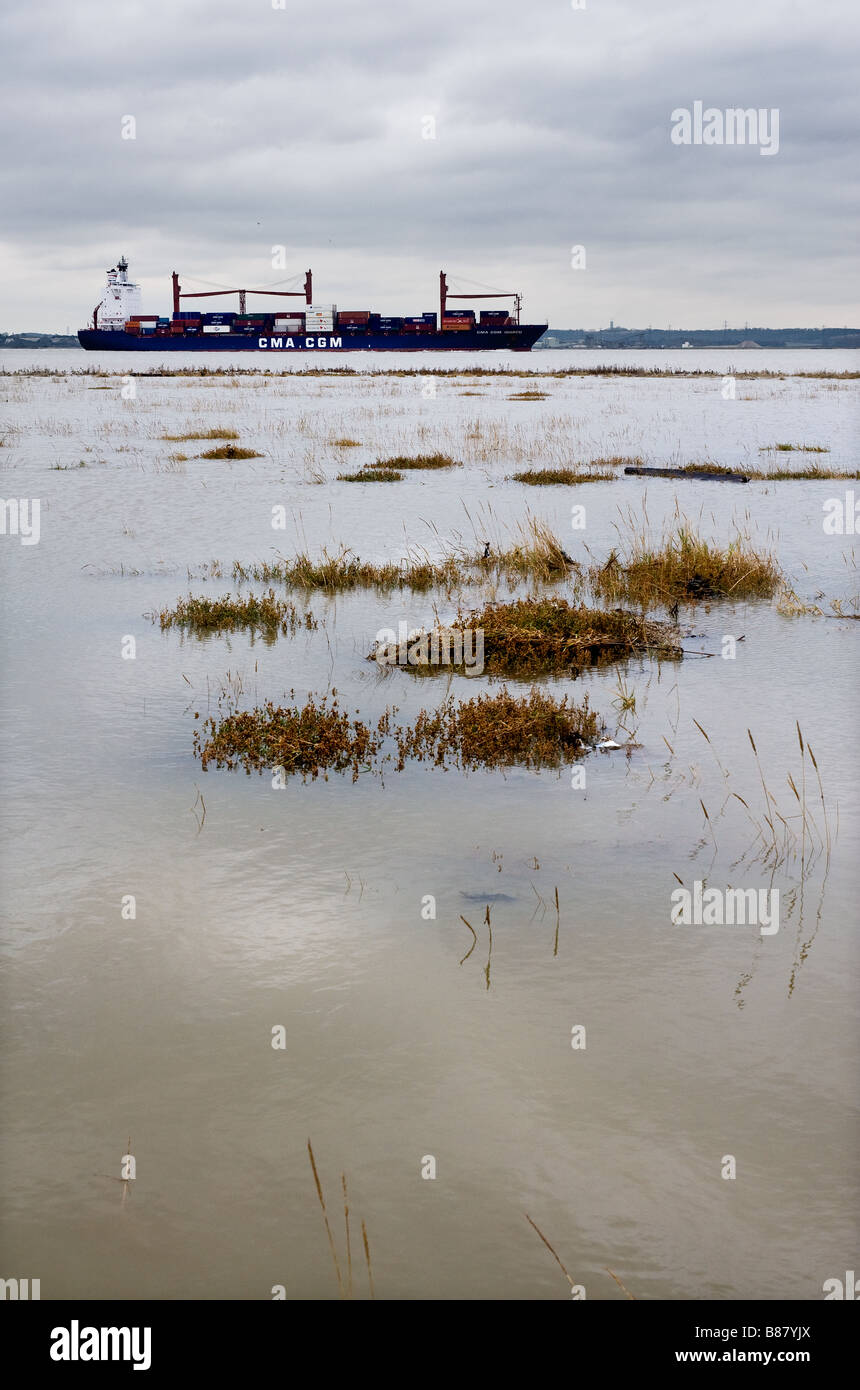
[(500, 730), (537, 635), (316, 738)]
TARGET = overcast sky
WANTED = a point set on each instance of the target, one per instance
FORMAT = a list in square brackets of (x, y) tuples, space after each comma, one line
[(304, 126)]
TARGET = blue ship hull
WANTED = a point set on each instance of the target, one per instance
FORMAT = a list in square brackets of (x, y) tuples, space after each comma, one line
[(515, 337)]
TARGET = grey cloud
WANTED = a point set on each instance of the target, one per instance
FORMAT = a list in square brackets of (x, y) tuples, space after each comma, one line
[(257, 127)]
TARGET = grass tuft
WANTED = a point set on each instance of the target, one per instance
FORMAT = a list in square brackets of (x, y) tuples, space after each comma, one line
[(683, 568), (371, 475), (418, 461), (542, 477), (794, 448), (501, 730), (230, 451), (201, 434), (538, 635), (265, 613)]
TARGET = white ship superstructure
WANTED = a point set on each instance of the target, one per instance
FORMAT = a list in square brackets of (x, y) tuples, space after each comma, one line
[(121, 298)]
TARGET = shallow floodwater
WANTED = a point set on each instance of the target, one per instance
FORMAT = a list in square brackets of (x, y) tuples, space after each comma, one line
[(306, 907)]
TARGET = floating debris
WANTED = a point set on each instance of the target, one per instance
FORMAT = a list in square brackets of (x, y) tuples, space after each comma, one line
[(712, 473)]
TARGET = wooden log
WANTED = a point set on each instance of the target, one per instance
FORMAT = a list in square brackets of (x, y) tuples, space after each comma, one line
[(686, 473)]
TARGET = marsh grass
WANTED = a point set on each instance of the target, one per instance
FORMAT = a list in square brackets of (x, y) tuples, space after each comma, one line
[(528, 396), (539, 635), (263, 612), (230, 451), (543, 477), (319, 737), (534, 553), (550, 1248), (499, 730), (774, 475), (813, 472), (418, 461), (369, 474), (794, 448), (344, 570), (201, 434), (684, 567), (345, 1287), (345, 443)]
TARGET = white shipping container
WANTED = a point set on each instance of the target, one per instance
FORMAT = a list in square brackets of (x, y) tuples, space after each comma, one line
[(216, 328)]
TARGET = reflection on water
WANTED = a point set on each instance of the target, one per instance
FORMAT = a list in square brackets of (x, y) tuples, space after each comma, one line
[(476, 970)]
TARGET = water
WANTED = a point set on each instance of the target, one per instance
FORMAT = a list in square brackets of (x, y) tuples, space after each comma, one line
[(302, 907)]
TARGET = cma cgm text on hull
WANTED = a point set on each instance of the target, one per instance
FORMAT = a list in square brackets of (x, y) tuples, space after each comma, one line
[(119, 326)]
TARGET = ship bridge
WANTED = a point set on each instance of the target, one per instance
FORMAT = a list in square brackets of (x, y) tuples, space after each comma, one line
[(120, 300)]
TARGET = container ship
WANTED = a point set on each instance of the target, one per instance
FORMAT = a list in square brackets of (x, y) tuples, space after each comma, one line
[(119, 326)]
